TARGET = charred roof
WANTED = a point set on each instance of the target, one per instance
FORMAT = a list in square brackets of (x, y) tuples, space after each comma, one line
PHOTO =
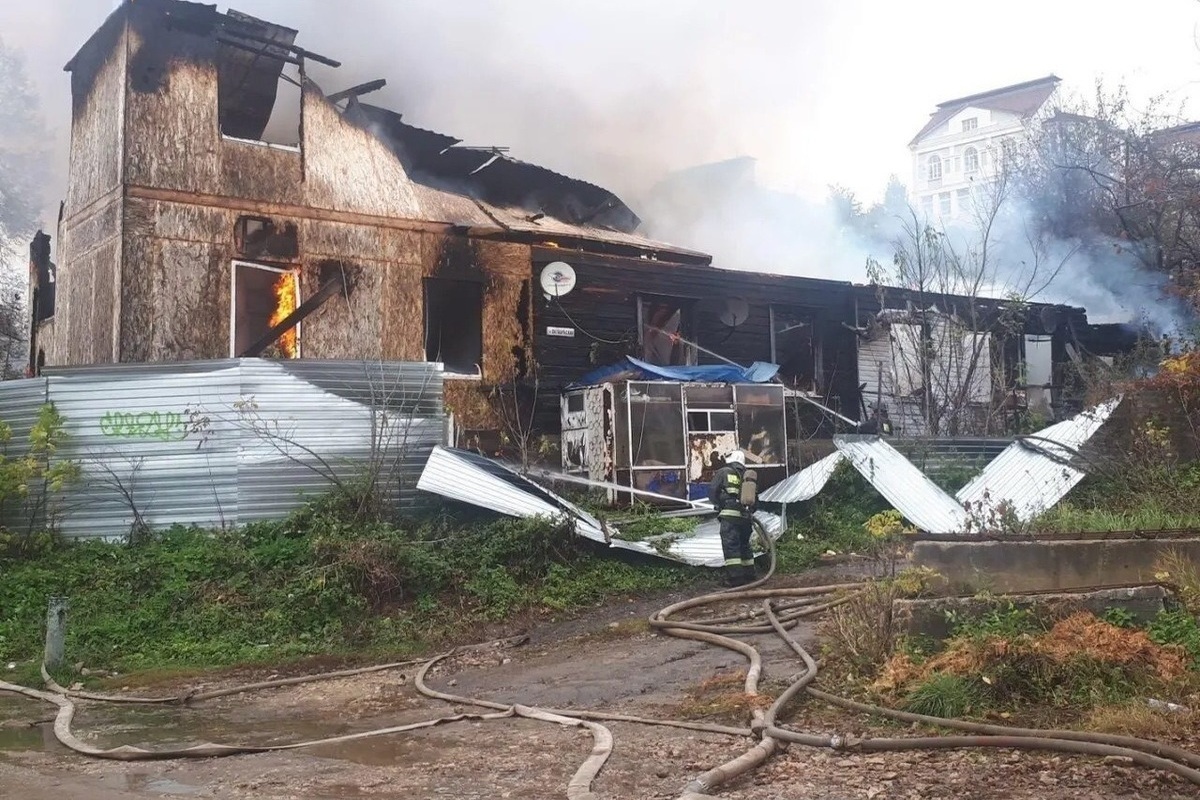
[(491, 175), (250, 55)]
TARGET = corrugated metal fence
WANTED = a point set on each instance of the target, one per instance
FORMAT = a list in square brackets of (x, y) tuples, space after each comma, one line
[(223, 443), (939, 458)]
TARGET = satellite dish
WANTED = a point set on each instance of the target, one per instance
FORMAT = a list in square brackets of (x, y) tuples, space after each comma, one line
[(558, 278), (735, 312)]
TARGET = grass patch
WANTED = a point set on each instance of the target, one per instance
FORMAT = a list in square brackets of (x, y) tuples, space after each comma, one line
[(311, 585), (1151, 514), (1150, 491), (946, 695)]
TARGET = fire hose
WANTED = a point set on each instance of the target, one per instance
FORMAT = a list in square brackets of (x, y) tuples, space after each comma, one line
[(781, 610)]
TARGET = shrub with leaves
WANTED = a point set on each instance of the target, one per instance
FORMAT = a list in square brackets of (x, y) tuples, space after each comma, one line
[(31, 479)]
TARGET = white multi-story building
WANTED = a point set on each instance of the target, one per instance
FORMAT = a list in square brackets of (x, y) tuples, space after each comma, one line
[(957, 153)]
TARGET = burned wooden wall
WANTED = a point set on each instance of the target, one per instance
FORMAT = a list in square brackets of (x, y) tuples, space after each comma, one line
[(86, 304), (602, 312)]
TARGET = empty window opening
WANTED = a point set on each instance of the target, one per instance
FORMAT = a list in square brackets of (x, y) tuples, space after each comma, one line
[(454, 324), (665, 325), (263, 297), (792, 348), (711, 421), (265, 238), (258, 88)]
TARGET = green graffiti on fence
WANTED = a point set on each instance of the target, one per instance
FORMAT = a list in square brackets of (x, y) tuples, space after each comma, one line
[(165, 426)]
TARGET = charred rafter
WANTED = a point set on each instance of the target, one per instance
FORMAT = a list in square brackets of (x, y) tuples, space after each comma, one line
[(357, 91), (296, 51)]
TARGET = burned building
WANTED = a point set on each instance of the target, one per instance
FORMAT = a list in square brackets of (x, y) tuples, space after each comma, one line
[(222, 204), (185, 234)]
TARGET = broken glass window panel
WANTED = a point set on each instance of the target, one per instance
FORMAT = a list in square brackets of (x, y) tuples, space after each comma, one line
[(709, 396), (664, 328), (656, 425), (760, 424)]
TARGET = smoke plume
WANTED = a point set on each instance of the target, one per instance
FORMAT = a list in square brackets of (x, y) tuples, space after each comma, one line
[(621, 94)]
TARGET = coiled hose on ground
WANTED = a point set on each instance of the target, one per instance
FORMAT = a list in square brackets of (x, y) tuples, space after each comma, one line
[(780, 611)]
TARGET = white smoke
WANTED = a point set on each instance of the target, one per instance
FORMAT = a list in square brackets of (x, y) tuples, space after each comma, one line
[(721, 209)]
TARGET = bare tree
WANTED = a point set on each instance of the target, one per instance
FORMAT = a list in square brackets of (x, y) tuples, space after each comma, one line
[(515, 404), (966, 286), (1121, 179)]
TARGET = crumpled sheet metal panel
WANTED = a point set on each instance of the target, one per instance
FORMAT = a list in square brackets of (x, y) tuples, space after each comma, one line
[(471, 478), (805, 484), (908, 489), (1033, 475), (701, 546)]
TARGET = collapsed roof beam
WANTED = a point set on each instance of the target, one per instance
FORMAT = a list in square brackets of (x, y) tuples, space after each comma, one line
[(332, 286), (298, 52), (357, 91), (259, 51)]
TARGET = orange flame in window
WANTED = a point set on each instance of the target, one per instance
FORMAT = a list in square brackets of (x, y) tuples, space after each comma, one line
[(285, 304)]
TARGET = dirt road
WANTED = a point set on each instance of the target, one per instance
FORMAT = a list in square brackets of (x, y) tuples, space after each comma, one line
[(608, 660)]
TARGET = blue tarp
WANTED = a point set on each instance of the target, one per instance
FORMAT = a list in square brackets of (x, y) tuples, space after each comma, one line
[(632, 369)]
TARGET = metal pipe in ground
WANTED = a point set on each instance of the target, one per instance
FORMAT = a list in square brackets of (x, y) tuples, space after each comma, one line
[(56, 633)]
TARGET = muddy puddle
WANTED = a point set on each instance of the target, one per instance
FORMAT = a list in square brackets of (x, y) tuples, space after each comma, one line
[(410, 748), (28, 726), (142, 782)]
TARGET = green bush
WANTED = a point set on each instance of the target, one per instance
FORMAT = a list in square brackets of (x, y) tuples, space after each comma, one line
[(1004, 622), (833, 520), (1177, 627), (31, 479)]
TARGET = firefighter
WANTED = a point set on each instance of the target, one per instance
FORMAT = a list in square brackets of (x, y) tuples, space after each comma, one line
[(733, 512)]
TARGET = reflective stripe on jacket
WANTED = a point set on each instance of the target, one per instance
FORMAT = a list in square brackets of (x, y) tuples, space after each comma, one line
[(725, 493)]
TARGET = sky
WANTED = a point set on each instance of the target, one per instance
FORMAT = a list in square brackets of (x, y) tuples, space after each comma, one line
[(821, 92)]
